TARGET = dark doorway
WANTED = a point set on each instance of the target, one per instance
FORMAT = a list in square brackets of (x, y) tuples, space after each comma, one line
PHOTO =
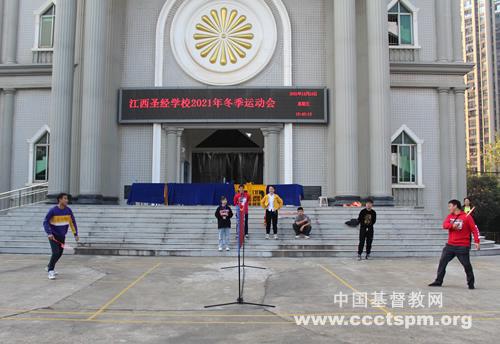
[(228, 167), (228, 156)]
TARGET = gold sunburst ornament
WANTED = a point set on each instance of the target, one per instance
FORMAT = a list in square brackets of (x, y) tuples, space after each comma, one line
[(223, 36)]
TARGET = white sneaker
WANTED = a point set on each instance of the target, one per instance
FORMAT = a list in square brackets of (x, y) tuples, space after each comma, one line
[(52, 275), (227, 249), (307, 237), (267, 236), (275, 236), (220, 248), (297, 236), (47, 270)]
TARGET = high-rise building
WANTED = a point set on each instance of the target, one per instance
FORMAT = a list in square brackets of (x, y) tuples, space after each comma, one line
[(481, 31)]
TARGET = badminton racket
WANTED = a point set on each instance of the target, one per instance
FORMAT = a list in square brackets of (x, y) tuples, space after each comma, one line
[(63, 245)]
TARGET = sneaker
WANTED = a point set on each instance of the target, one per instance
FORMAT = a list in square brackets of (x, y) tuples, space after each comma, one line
[(227, 248), (472, 287), (220, 248), (435, 284), (52, 275), (297, 236), (359, 257), (267, 236), (367, 257), (275, 236), (247, 236), (307, 237), (47, 270)]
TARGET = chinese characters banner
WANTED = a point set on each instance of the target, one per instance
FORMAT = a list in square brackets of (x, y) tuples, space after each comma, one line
[(159, 105)]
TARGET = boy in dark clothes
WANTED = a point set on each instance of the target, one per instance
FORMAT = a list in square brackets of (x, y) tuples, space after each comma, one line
[(223, 215), (56, 224), (367, 218)]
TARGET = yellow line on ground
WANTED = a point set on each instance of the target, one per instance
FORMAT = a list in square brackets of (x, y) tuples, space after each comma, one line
[(142, 322), (344, 282), (117, 296)]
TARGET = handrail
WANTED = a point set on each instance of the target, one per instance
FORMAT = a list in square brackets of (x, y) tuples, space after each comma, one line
[(25, 188), (18, 198)]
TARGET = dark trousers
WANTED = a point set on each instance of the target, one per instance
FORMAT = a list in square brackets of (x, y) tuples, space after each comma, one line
[(463, 255), (306, 231), (57, 251), (271, 217), (365, 234)]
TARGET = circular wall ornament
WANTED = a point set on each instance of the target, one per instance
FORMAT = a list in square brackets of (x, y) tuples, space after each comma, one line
[(221, 42)]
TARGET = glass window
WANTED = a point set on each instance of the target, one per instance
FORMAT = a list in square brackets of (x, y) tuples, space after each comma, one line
[(404, 160), (47, 22), (400, 20), (41, 165)]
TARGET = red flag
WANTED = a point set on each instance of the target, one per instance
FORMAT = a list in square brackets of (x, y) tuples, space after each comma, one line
[(242, 226)]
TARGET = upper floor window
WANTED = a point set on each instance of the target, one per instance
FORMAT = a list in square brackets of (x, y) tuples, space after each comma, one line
[(46, 28), (406, 157), (41, 159), (401, 24)]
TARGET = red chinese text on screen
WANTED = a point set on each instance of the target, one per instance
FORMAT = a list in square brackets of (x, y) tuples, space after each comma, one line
[(199, 103)]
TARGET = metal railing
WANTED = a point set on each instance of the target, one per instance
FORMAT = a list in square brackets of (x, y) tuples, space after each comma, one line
[(22, 197), (43, 56), (403, 54), (408, 196)]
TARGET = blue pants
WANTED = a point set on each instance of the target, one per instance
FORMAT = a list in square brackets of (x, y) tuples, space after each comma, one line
[(224, 237)]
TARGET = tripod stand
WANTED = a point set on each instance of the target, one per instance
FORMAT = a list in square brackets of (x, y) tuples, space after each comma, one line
[(241, 283)]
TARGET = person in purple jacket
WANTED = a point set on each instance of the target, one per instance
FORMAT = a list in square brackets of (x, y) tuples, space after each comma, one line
[(56, 224)]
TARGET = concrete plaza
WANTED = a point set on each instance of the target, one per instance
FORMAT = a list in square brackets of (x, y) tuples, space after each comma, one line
[(100, 299)]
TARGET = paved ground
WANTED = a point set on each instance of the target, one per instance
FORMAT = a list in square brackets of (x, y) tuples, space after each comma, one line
[(161, 300)]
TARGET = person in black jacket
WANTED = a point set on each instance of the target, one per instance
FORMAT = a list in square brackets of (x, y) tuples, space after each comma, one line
[(367, 218), (223, 215)]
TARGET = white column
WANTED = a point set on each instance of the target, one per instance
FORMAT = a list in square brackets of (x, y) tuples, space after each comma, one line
[(93, 99), (62, 97), (272, 154), (178, 151), (288, 153), (444, 40), (461, 158), (379, 109), (452, 143), (345, 102), (172, 167), (10, 28), (456, 19), (444, 146), (6, 131), (156, 160)]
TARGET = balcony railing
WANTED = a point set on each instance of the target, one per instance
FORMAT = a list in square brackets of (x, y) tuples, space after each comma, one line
[(399, 54), (408, 196), (42, 56), (22, 197)]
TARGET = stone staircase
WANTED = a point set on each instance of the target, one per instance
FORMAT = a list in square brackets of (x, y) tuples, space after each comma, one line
[(191, 231)]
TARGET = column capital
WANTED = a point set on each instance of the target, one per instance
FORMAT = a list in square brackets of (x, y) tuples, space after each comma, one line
[(443, 90), (459, 90), (271, 130), (170, 129), (9, 90)]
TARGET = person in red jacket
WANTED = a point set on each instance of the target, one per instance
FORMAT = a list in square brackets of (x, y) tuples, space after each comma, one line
[(460, 226), (241, 199)]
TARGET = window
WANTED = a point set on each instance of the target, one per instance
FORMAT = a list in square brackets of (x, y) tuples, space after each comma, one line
[(41, 159), (401, 25), (406, 158), (46, 28)]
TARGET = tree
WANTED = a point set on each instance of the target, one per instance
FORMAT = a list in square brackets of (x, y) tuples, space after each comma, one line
[(484, 192), (492, 155)]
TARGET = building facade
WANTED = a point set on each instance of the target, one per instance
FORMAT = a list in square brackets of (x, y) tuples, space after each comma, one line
[(482, 98), (393, 70)]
